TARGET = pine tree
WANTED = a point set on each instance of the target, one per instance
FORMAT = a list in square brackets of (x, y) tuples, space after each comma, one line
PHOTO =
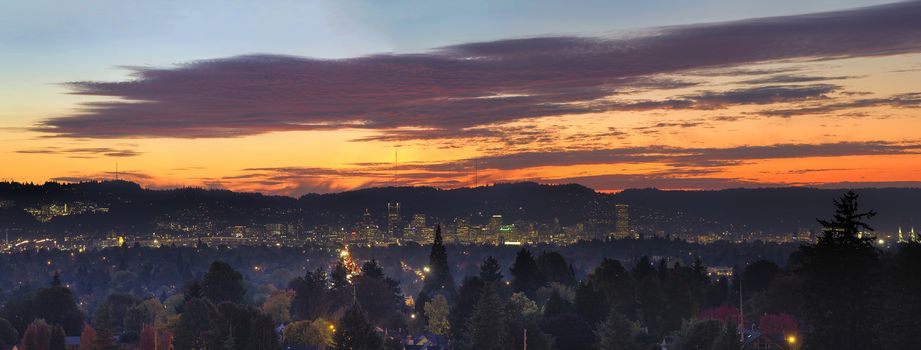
[(527, 276), (486, 328), (439, 279), (56, 280), (355, 332), (468, 296), (310, 295), (223, 283), (839, 274), (643, 268), (490, 271), (340, 289)]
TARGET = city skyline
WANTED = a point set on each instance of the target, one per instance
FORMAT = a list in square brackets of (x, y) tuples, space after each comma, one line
[(322, 97)]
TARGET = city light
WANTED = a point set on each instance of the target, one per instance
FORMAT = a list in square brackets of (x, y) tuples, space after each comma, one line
[(791, 339)]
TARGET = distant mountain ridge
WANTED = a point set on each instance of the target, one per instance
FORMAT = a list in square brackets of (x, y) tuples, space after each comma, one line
[(131, 208)]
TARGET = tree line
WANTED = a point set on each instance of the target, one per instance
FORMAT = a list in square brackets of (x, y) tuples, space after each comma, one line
[(839, 292)]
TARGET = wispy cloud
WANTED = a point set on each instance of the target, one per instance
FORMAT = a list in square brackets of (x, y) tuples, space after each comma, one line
[(691, 168), (462, 87), (907, 100), (86, 152)]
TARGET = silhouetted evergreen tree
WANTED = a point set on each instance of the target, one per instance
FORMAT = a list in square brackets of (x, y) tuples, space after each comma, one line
[(55, 305), (486, 328), (554, 268), (56, 280), (355, 332), (643, 268), (223, 283), (467, 297), (379, 296), (526, 274), (617, 286), (490, 271), (838, 279), (340, 290), (311, 297), (438, 279)]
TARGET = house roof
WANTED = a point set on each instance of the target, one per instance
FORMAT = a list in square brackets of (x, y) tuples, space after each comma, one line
[(72, 341)]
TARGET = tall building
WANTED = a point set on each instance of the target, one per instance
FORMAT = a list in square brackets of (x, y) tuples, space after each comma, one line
[(367, 230), (622, 225), (416, 228), (495, 224), (393, 220)]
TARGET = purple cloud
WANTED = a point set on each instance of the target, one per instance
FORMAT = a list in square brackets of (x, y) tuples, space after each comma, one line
[(465, 86), (86, 152)]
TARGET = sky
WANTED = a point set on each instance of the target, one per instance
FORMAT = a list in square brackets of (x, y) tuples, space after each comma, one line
[(295, 97)]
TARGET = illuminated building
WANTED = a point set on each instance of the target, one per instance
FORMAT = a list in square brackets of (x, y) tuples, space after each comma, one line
[(463, 230), (367, 230), (495, 224), (622, 225), (416, 228), (393, 220)]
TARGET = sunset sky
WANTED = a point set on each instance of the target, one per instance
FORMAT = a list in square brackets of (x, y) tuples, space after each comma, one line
[(293, 97)]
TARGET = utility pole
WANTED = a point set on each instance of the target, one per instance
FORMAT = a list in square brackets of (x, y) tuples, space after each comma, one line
[(525, 339), (741, 314)]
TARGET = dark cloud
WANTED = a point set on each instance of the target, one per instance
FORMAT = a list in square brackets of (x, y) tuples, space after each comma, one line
[(907, 100), (761, 95), (466, 86), (108, 175), (89, 152), (661, 181), (791, 78), (870, 184), (688, 157)]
